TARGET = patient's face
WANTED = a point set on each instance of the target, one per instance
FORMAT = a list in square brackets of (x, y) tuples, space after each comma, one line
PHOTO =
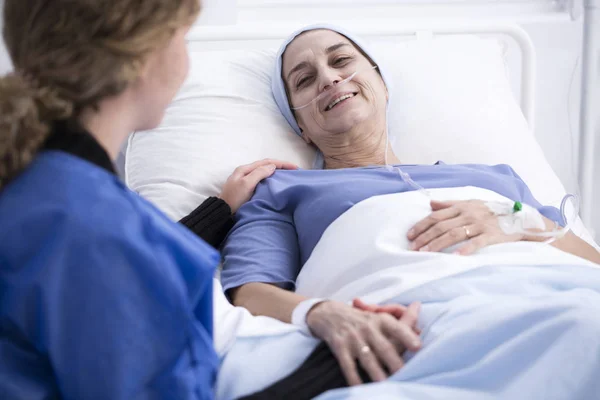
[(313, 63)]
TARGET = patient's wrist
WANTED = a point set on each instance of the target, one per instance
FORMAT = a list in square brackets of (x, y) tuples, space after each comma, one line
[(551, 226), (300, 315)]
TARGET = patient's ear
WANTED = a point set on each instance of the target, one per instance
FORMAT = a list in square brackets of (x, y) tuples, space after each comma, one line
[(306, 138), (302, 134)]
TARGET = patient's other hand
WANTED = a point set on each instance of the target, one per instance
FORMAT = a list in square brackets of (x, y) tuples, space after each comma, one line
[(240, 186), (453, 222), (376, 340)]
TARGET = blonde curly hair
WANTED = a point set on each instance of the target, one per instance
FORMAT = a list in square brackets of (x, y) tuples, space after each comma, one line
[(68, 55)]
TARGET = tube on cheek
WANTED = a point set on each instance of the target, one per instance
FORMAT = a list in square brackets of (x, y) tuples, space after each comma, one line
[(326, 92)]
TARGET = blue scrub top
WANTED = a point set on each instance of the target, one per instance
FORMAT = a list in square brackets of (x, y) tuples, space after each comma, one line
[(101, 296), (277, 230)]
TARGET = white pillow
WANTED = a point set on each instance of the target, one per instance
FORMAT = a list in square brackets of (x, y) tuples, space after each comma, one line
[(451, 101), (223, 117)]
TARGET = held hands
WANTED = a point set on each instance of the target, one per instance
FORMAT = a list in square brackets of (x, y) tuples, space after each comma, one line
[(395, 310), (374, 336), (452, 222), (240, 186)]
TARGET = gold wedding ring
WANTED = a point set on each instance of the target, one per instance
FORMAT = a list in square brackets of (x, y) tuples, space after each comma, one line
[(467, 232)]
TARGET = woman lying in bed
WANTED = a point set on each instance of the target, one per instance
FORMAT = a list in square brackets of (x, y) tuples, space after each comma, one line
[(298, 223)]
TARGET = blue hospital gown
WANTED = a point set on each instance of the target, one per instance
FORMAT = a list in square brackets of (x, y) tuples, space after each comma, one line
[(277, 230), (101, 296)]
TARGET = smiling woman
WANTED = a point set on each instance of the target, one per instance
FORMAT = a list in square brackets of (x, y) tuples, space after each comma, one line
[(279, 231)]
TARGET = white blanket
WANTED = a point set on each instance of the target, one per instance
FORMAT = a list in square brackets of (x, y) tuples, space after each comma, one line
[(364, 253)]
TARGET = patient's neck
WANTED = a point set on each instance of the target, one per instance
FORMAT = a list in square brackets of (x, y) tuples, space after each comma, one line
[(357, 150)]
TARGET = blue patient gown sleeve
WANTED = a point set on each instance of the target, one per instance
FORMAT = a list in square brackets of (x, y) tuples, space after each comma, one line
[(113, 311), (262, 246)]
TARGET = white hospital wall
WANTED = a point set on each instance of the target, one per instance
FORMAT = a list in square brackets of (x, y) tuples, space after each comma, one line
[(5, 64), (596, 202), (214, 12), (596, 115)]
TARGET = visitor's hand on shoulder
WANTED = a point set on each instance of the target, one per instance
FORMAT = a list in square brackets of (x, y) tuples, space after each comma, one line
[(240, 186)]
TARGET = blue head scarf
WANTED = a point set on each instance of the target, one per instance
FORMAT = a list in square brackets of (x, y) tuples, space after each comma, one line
[(278, 84)]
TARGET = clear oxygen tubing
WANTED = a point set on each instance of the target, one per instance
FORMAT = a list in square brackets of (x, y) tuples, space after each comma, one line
[(326, 92), (558, 233)]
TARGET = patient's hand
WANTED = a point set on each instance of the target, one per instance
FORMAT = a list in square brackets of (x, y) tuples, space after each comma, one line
[(240, 186), (452, 222), (374, 339)]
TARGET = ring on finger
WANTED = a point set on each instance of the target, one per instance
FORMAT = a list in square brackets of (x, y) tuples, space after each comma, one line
[(467, 232), (365, 349)]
